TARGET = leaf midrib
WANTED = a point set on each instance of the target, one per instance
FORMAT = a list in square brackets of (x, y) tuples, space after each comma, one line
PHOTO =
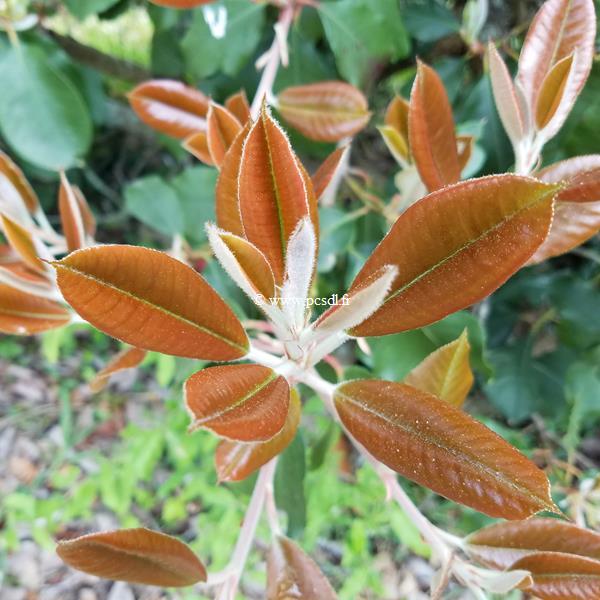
[(162, 309), (466, 458)]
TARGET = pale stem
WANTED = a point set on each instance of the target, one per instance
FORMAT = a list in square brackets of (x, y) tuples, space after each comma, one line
[(264, 483), (265, 86)]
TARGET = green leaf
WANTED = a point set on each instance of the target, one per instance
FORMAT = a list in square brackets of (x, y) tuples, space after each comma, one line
[(360, 35), (289, 485), (337, 234), (42, 115), (206, 55), (84, 8), (155, 203), (430, 20)]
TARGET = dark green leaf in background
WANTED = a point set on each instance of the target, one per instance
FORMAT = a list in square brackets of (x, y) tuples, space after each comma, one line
[(42, 115), (84, 8), (289, 485), (428, 21)]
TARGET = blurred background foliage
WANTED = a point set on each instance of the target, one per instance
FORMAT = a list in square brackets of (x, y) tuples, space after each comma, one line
[(124, 456)]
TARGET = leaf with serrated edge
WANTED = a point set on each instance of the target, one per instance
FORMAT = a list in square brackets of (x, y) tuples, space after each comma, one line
[(170, 107), (577, 210), (273, 193), (555, 99), (238, 105), (70, 215), (438, 446), (222, 129), (329, 170), (446, 372), (558, 28), (236, 461), (152, 301), (502, 544), (431, 130), (11, 175), (327, 111), (197, 145), (25, 314), (246, 403), (23, 243), (134, 555), (456, 246), (226, 192), (505, 97), (558, 576), (124, 360), (291, 573)]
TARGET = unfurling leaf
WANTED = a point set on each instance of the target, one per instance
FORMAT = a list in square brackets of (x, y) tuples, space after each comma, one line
[(70, 215), (559, 29), (222, 129), (134, 555), (327, 111), (446, 372), (431, 131), (181, 3), (555, 100), (238, 106), (456, 246), (12, 181), (152, 301), (577, 209), (274, 191), (126, 359), (505, 97), (25, 314), (291, 573), (170, 107), (329, 171), (246, 403), (558, 576), (22, 243), (237, 460), (438, 446), (502, 544), (396, 117)]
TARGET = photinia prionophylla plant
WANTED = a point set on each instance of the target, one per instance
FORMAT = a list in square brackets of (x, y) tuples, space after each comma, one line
[(450, 244)]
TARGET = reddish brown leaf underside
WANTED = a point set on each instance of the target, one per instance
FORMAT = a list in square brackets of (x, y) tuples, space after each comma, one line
[(197, 145), (134, 555), (328, 169), (22, 243), (70, 215), (238, 105), (17, 180), (126, 359), (442, 448), (222, 129), (152, 301)]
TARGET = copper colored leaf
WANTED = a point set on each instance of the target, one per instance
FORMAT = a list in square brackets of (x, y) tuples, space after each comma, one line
[(126, 359), (396, 144), (222, 129), (273, 191), (89, 221), (328, 111), (577, 210), (553, 92), (238, 105), (438, 446), (431, 130), (236, 460), (502, 544), (170, 107), (464, 144), (253, 263), (246, 403), (505, 97), (134, 555), (70, 215), (197, 145), (152, 301), (23, 244), (291, 573), (396, 116), (456, 246), (12, 176), (226, 192), (558, 576), (446, 372), (24, 314), (559, 28), (328, 170)]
